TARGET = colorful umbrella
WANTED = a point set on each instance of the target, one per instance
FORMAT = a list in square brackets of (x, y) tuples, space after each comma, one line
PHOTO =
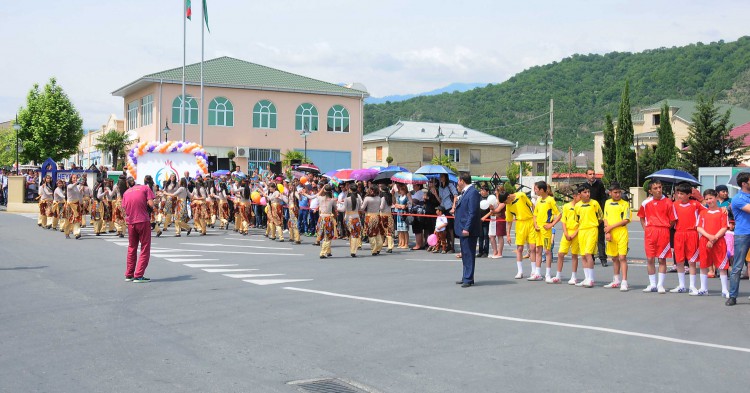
[(673, 176), (434, 170), (310, 168), (363, 174), (451, 177), (409, 178), (394, 168), (221, 172), (384, 177), (377, 167), (343, 174)]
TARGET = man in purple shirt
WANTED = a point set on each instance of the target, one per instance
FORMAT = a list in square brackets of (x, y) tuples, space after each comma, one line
[(137, 201)]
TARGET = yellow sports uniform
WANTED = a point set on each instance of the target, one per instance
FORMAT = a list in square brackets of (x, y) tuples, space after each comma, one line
[(615, 212), (570, 224), (522, 212), (545, 212), (588, 216)]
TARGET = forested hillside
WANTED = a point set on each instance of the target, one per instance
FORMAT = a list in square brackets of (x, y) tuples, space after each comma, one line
[(585, 88)]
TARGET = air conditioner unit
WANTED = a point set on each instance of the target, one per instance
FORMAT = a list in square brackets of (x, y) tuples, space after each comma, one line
[(241, 151)]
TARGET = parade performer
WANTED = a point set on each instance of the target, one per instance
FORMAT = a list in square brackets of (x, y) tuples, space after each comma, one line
[(386, 217), (180, 216), (58, 206), (371, 207), (95, 208), (353, 204), (118, 213), (223, 207), (169, 201), (46, 195), (73, 208), (105, 208), (198, 204), (155, 215), (293, 222), (275, 212), (325, 230), (86, 195)]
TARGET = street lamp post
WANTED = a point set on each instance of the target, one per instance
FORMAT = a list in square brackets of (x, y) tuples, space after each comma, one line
[(440, 142), (166, 130), (17, 127), (637, 146), (722, 152), (305, 132)]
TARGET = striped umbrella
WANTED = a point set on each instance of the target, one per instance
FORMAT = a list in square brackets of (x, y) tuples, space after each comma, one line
[(409, 178), (344, 174)]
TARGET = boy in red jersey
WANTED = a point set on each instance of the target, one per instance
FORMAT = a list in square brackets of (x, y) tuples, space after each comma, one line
[(686, 236), (712, 225), (657, 215)]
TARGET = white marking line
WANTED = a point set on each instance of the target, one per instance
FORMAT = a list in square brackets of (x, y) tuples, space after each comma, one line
[(239, 252), (250, 275), (234, 245), (244, 240), (180, 260), (534, 321), (202, 265), (226, 270), (271, 282), (175, 256)]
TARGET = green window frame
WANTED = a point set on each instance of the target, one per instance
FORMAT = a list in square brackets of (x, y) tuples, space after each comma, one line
[(264, 114), (221, 112), (338, 119), (132, 115), (306, 117), (147, 110), (191, 110)]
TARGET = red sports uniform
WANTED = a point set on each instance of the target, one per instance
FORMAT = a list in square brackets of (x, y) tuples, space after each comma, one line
[(712, 221), (658, 215), (686, 236)]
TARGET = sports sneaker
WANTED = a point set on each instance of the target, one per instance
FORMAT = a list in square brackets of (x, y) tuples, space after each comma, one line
[(661, 290), (694, 292), (624, 288), (650, 288), (703, 292), (613, 284), (572, 281), (519, 275), (141, 279), (129, 278), (693, 289), (580, 284), (553, 280), (725, 295), (678, 290), (535, 277), (548, 279), (588, 284)]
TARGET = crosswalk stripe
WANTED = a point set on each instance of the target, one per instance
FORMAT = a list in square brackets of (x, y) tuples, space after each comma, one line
[(226, 270), (244, 240), (176, 256), (202, 265), (251, 275), (272, 281), (234, 245), (180, 260)]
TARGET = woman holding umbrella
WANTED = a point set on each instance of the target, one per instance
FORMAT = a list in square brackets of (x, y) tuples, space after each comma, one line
[(402, 204)]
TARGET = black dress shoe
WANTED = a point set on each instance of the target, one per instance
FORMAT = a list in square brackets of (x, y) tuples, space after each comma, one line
[(354, 255), (467, 284), (459, 282), (604, 263), (731, 301)]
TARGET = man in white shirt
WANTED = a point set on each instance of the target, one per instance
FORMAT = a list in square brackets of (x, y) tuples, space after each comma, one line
[(4, 183)]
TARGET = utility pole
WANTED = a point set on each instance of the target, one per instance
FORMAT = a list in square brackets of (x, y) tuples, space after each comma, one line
[(570, 162), (551, 139)]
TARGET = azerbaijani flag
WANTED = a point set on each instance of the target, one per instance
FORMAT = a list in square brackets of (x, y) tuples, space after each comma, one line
[(188, 9)]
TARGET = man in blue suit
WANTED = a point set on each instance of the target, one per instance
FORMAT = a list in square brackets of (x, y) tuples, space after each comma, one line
[(467, 226)]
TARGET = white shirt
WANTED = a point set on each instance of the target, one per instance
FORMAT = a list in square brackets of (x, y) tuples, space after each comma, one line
[(441, 220)]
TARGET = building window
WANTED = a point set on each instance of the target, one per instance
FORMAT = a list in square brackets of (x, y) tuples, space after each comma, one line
[(306, 117), (427, 154), (338, 119), (147, 110), (379, 153), (656, 119), (260, 158), (133, 115), (453, 154), (221, 112), (191, 110), (475, 156), (540, 169), (264, 114)]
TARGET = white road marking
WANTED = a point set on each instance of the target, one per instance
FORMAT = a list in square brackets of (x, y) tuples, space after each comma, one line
[(175, 256), (202, 265), (242, 252), (234, 245), (180, 260), (251, 275), (122, 243), (244, 240), (523, 320), (226, 270), (271, 282)]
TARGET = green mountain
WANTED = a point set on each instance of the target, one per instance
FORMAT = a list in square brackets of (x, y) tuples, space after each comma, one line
[(585, 88)]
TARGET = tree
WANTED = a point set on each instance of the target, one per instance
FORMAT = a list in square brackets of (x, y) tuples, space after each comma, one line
[(647, 164), (230, 155), (512, 173), (292, 155), (114, 142), (708, 134), (609, 150), (389, 160), (625, 156), (7, 147), (665, 154), (445, 161), (50, 124)]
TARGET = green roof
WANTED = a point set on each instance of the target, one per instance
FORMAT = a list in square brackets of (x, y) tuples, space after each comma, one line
[(230, 72), (686, 109)]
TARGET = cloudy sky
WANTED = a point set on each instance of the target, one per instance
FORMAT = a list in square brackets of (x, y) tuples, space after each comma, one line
[(391, 46)]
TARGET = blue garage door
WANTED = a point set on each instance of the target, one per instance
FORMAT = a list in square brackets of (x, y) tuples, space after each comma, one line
[(329, 160)]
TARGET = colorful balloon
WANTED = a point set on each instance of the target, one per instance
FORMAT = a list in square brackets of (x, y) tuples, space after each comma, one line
[(432, 240)]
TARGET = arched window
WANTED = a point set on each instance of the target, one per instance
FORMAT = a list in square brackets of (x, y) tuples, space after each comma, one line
[(306, 118), (264, 114), (220, 112), (191, 110), (338, 119)]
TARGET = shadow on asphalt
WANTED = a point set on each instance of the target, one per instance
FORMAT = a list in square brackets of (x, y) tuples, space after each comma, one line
[(23, 267), (483, 283), (185, 277)]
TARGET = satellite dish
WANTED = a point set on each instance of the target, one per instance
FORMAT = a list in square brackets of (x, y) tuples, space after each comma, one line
[(357, 86)]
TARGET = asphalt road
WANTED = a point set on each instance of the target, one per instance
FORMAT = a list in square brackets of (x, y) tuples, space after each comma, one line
[(391, 323)]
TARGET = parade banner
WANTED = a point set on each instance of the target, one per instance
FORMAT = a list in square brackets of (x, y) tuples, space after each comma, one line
[(161, 160)]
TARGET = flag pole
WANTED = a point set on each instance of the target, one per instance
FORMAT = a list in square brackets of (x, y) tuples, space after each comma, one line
[(203, 28), (184, 60)]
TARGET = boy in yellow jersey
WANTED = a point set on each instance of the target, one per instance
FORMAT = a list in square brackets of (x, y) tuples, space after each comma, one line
[(568, 242), (518, 208), (546, 215), (616, 219), (588, 215)]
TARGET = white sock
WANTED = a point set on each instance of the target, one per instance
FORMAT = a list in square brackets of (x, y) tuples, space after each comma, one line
[(519, 265), (692, 281), (724, 283), (557, 275), (652, 280), (681, 278), (587, 273), (591, 275), (661, 276), (533, 267), (573, 275), (548, 272), (624, 283), (616, 278), (704, 282)]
